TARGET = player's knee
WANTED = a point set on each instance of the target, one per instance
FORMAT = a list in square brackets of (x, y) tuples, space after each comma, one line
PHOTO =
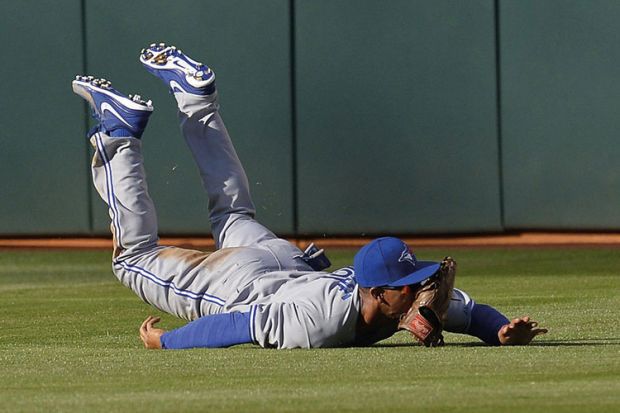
[(121, 273), (458, 317)]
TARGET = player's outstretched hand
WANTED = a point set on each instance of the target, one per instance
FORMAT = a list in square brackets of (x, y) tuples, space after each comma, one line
[(151, 336), (520, 331)]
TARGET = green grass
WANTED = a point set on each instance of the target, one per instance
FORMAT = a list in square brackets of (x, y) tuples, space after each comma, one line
[(68, 342)]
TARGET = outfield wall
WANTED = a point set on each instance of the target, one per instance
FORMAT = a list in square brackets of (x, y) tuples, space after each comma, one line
[(351, 117)]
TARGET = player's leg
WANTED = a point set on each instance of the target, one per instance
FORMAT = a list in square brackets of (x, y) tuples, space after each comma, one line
[(117, 169), (166, 277), (230, 204)]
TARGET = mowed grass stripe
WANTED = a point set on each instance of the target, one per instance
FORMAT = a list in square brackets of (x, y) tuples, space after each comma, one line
[(68, 342)]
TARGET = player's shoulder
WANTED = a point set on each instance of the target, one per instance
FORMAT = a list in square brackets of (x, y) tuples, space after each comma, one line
[(342, 282)]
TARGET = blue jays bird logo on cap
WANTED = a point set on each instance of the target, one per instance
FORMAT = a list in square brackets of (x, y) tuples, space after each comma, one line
[(406, 256)]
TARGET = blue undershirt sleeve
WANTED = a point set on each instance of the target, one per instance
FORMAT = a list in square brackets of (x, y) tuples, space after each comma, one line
[(218, 330), (485, 323)]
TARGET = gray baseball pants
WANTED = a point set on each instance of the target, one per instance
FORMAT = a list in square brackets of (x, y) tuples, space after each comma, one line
[(187, 283)]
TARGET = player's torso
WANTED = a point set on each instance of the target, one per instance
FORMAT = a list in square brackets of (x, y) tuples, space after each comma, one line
[(325, 305)]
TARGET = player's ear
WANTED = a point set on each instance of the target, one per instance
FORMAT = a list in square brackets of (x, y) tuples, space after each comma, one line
[(377, 293)]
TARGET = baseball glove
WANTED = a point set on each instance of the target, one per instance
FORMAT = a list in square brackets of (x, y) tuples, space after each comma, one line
[(425, 318)]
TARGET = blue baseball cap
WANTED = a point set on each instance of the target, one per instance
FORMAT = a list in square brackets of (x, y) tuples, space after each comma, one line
[(388, 262)]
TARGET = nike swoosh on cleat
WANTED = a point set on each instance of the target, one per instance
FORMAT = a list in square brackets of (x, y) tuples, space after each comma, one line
[(176, 87), (106, 106)]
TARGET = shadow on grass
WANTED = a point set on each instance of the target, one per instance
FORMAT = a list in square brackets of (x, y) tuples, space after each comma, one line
[(577, 342), (546, 343), (414, 344)]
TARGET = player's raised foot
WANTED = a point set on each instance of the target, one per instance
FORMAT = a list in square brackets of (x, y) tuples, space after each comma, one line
[(178, 71), (118, 115)]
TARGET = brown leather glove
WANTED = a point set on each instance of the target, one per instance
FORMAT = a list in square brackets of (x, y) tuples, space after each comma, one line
[(425, 318)]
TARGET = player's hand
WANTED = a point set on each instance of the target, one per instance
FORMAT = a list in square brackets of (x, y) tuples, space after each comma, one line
[(151, 336), (520, 331)]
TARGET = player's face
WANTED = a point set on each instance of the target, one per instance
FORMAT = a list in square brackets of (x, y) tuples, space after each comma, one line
[(398, 301)]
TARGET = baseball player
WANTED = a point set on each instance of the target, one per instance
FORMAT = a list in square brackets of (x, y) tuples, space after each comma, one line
[(256, 287)]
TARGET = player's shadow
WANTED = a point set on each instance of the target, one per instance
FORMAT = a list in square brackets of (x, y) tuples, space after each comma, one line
[(536, 343), (576, 342)]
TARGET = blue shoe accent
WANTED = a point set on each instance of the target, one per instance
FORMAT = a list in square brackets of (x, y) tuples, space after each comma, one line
[(178, 71), (118, 115)]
